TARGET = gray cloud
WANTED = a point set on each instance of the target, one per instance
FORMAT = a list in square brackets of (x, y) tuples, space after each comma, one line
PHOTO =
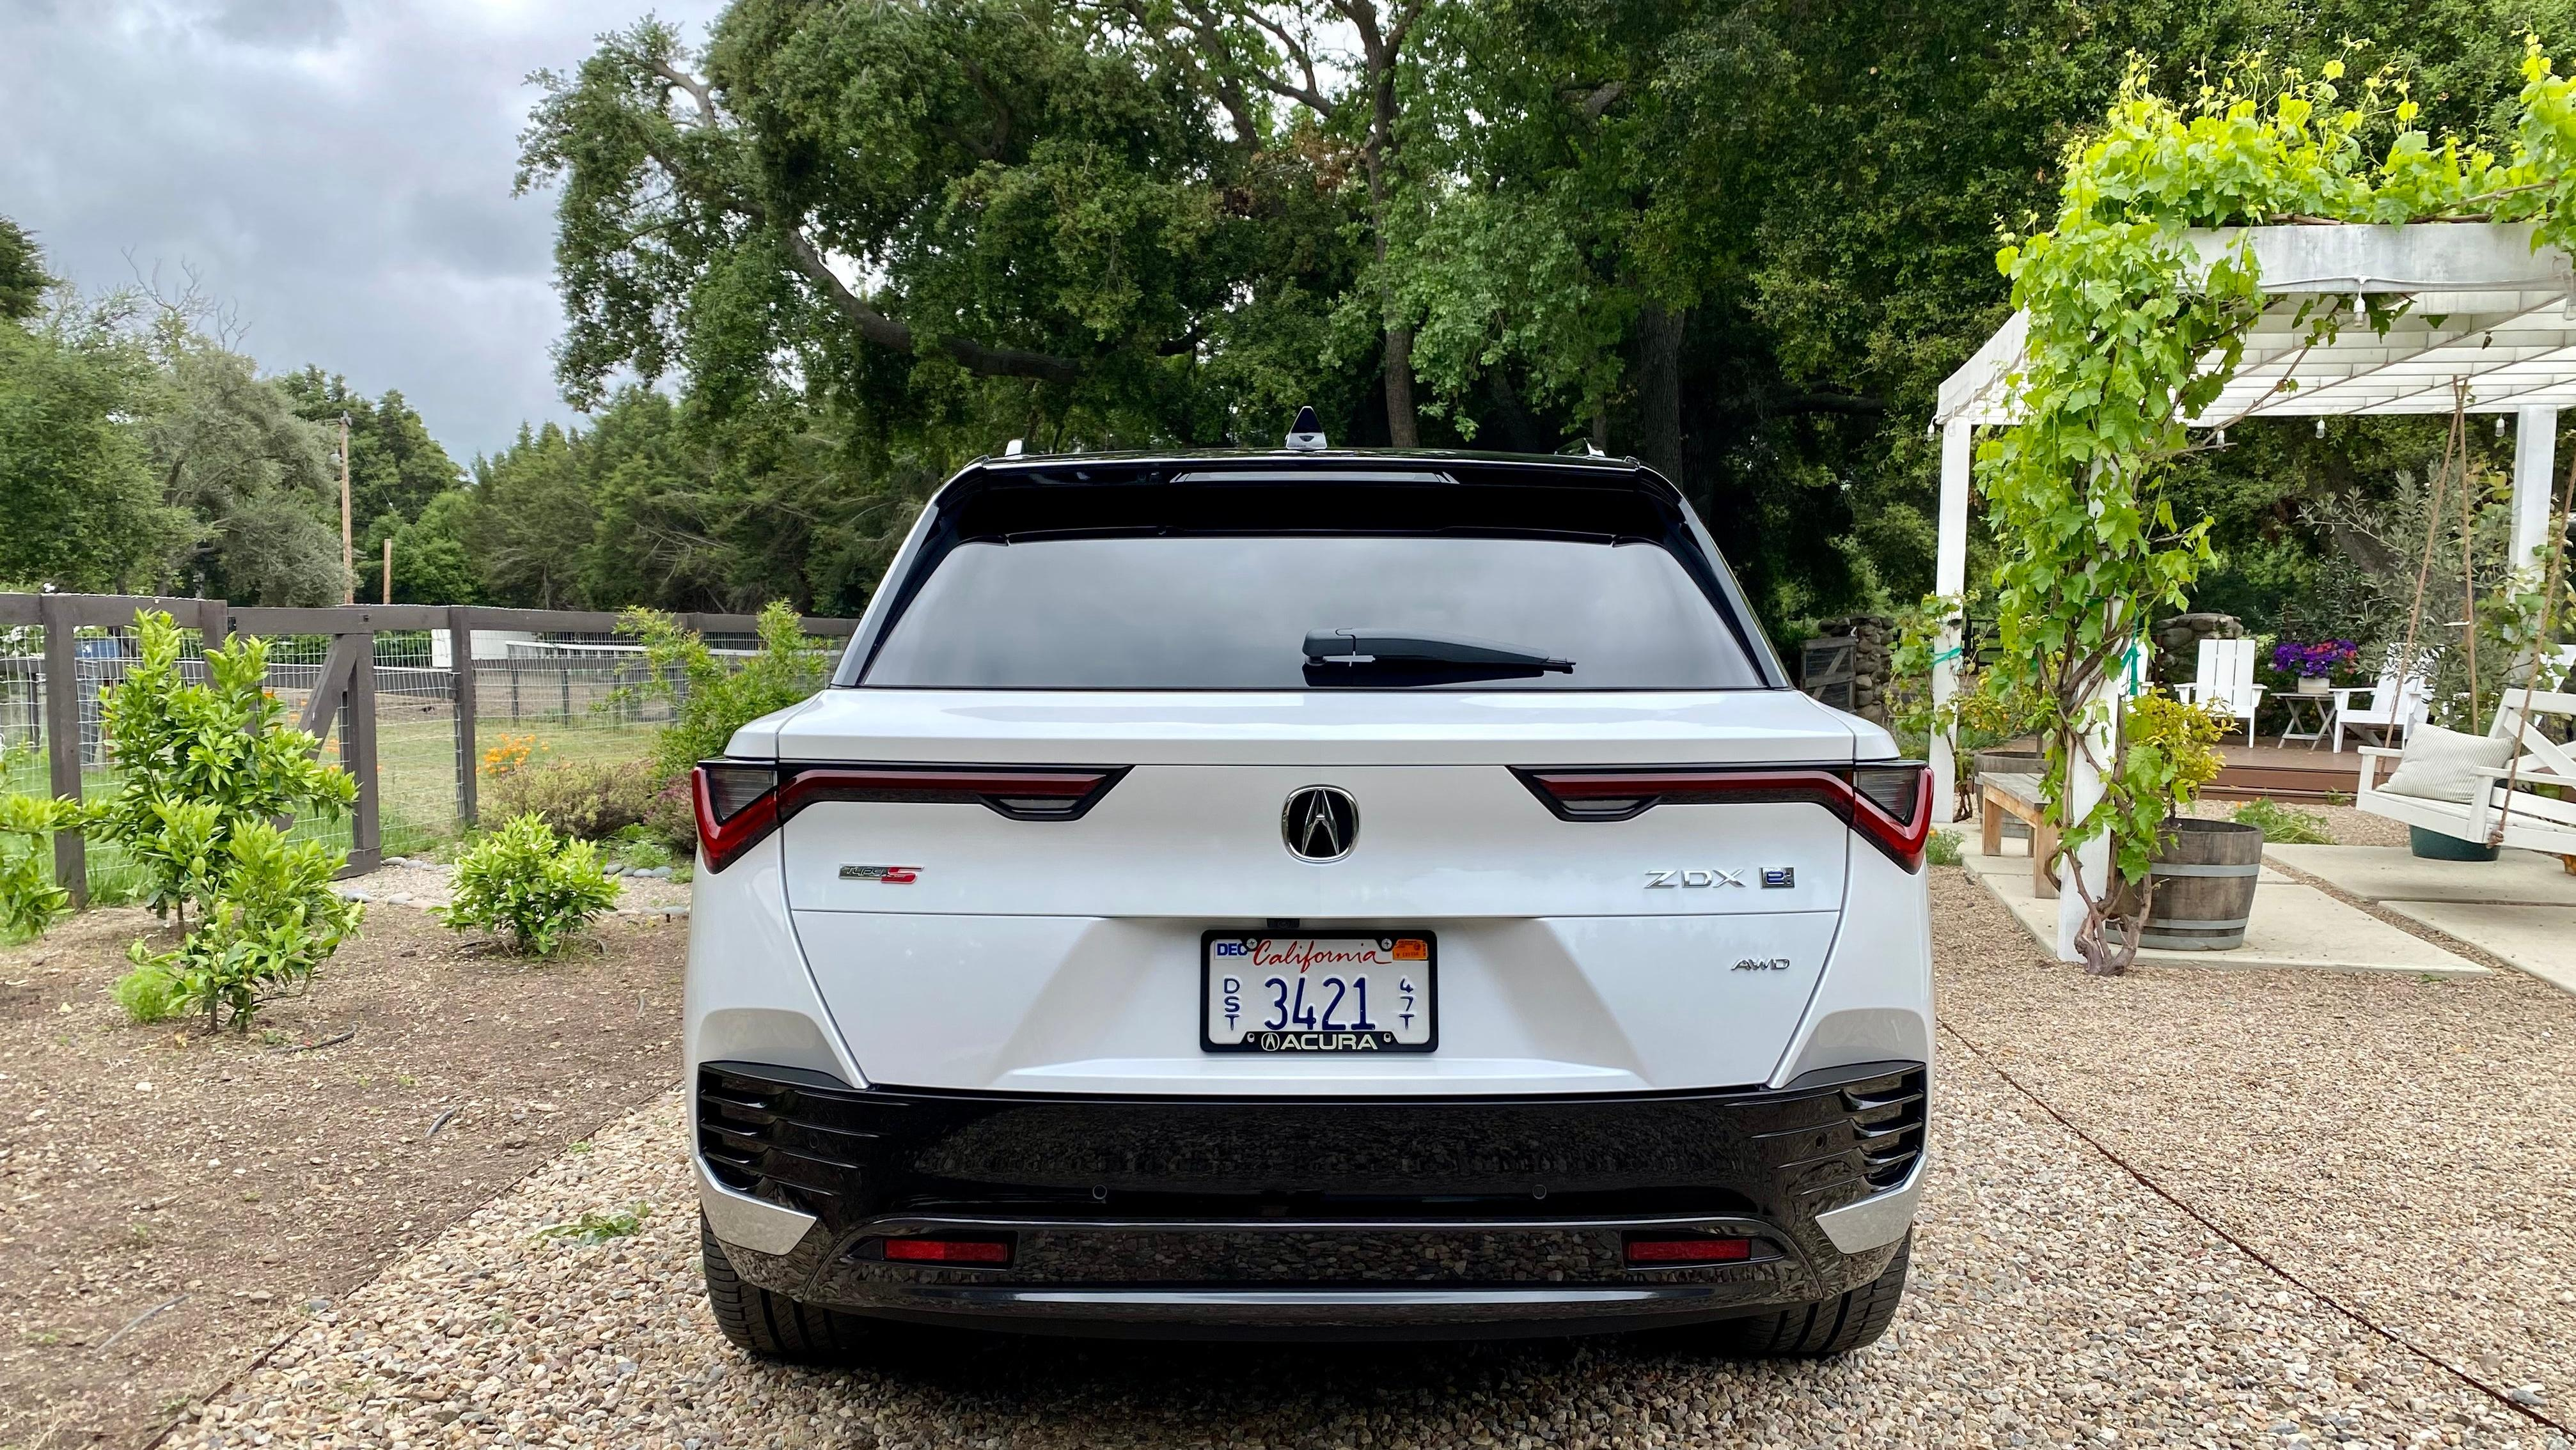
[(338, 170)]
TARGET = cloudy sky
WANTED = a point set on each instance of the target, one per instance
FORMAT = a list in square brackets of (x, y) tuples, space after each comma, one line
[(338, 170)]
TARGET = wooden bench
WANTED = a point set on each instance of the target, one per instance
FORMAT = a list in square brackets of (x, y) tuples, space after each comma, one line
[(2018, 796)]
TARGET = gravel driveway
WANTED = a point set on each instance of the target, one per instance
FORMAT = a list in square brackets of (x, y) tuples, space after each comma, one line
[(2058, 1299)]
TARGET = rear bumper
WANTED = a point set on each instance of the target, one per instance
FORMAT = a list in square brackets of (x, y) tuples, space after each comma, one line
[(1285, 1217)]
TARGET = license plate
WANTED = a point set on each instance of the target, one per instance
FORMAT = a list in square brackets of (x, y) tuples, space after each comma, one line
[(1318, 993)]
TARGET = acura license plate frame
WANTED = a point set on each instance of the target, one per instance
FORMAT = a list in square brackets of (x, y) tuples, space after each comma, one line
[(1379, 989)]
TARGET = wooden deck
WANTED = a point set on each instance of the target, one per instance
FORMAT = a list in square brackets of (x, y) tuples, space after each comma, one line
[(2291, 773)]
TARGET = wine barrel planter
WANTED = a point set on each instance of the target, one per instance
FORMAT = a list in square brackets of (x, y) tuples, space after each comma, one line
[(2204, 873)]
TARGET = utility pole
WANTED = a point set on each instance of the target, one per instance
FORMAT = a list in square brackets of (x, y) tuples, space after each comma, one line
[(389, 568), (348, 553)]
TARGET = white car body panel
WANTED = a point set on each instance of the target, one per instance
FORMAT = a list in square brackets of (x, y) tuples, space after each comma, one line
[(1063, 956)]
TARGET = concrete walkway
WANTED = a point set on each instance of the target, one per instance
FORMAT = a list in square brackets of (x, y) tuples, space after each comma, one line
[(2521, 906), (2292, 926)]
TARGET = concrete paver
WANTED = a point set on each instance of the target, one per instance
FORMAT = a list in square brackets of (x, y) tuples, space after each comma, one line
[(2540, 940), (2391, 873), (2292, 926)]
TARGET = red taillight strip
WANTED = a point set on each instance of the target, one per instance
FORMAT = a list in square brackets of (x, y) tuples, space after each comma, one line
[(1024, 793), (1620, 794), (1063, 793)]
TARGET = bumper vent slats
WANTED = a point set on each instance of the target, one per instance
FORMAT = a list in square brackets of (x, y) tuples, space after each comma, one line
[(852, 1155)]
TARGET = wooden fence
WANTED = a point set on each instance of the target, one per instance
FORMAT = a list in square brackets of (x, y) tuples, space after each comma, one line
[(345, 686)]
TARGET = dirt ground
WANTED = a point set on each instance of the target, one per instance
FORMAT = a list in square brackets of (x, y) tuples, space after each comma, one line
[(171, 1206)]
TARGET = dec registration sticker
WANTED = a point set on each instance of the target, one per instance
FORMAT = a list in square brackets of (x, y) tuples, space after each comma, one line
[(1318, 993)]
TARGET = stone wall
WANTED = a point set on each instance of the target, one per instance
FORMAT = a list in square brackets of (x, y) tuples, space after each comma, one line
[(1871, 636), (2178, 640)]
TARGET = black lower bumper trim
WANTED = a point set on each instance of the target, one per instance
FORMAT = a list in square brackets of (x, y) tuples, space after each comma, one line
[(1289, 1215)]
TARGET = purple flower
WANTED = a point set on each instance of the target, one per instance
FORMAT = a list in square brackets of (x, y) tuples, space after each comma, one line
[(2314, 660)]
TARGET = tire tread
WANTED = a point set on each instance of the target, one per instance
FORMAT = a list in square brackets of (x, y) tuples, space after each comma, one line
[(1839, 1325), (774, 1326)]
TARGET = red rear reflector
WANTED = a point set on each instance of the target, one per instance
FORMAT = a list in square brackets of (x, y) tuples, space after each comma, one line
[(992, 1253), (1689, 1251)]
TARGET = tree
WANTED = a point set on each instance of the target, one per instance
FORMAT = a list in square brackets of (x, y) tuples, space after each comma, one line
[(23, 282), (229, 448), (1242, 51), (531, 519), (78, 507), (433, 563), (395, 467)]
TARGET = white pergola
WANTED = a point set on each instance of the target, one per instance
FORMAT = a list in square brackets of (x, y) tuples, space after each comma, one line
[(2483, 309)]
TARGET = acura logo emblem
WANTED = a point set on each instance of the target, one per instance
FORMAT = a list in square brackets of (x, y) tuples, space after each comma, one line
[(1321, 823)]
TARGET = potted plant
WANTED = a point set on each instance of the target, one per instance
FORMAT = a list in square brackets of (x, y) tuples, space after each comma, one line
[(2194, 891), (2314, 665)]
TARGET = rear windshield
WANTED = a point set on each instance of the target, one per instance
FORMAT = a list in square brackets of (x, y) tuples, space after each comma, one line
[(1182, 612)]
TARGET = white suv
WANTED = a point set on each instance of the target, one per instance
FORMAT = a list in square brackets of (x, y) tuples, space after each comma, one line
[(1310, 894)]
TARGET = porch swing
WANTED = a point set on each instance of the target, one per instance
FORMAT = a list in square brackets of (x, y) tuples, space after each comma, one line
[(2514, 786)]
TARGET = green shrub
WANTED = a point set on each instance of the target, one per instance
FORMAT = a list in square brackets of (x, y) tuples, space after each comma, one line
[(200, 761), (588, 800), (2285, 825), (712, 698), (270, 925), (1943, 848), (525, 881), (671, 817), (148, 996), (29, 899)]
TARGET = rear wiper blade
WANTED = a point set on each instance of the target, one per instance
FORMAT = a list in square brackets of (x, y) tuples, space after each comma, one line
[(1413, 647)]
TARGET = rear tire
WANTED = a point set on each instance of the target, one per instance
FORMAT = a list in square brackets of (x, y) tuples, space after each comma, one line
[(774, 1326), (1813, 1331)]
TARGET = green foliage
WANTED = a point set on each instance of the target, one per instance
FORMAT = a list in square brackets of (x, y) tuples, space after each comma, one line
[(539, 888), (2284, 825), (2169, 750), (713, 698), (272, 922), (23, 282), (206, 769), (81, 509), (1943, 849), (589, 800), (597, 1227), (29, 899), (198, 762), (395, 467)]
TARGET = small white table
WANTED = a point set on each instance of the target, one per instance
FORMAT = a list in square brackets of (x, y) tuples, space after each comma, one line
[(2324, 705)]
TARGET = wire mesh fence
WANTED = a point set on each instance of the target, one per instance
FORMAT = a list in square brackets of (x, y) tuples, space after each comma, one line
[(575, 693)]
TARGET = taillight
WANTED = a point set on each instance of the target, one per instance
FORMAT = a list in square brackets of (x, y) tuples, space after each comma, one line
[(1889, 804), (740, 802), (737, 806)]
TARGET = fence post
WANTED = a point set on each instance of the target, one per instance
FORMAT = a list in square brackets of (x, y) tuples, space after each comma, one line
[(62, 737), (460, 653), (358, 754)]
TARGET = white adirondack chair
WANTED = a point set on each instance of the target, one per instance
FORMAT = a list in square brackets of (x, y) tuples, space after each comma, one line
[(2531, 821), (2394, 706), (2226, 683)]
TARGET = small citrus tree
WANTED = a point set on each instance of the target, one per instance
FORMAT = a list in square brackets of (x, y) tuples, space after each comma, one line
[(209, 769), (199, 761)]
